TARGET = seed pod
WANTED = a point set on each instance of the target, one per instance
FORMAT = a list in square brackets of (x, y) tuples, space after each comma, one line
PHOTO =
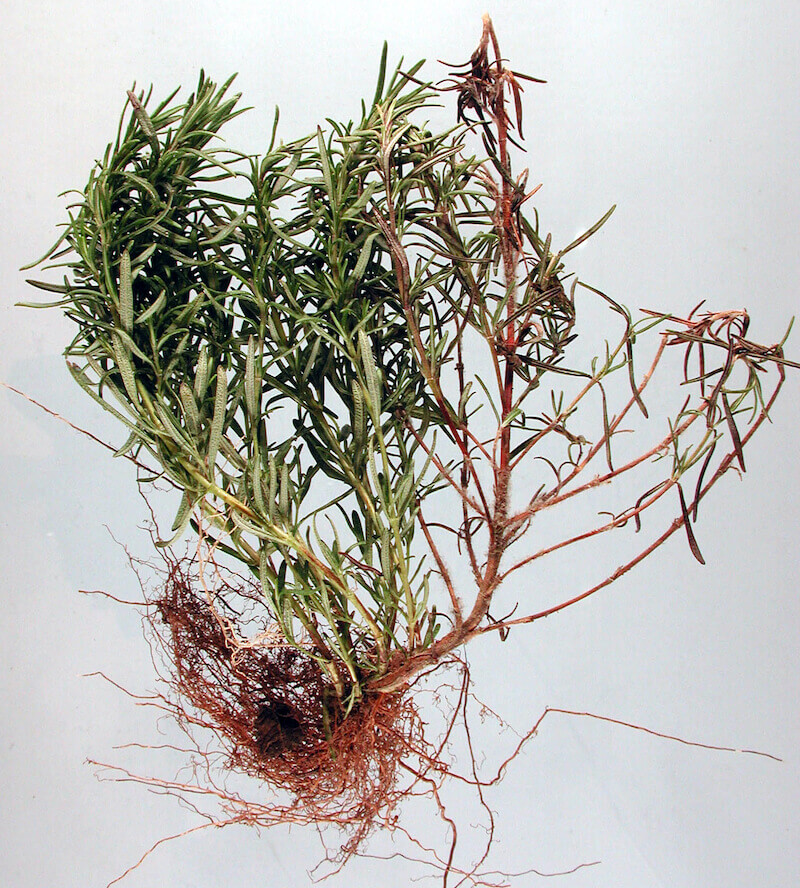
[(386, 555), (363, 256), (272, 492), (371, 373), (251, 381), (258, 490), (218, 419), (125, 366), (374, 477), (190, 412), (201, 374), (283, 494), (125, 292), (405, 490), (359, 416), (145, 123)]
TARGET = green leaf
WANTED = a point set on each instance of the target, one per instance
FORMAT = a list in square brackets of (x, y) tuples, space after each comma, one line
[(587, 234), (152, 310), (381, 75)]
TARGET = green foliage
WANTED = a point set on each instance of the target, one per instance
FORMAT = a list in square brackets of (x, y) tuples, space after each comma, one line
[(252, 344), (297, 360)]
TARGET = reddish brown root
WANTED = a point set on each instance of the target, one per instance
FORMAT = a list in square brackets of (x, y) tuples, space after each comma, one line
[(275, 713)]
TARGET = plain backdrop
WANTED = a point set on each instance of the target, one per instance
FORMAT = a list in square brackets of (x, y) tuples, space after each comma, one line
[(685, 115)]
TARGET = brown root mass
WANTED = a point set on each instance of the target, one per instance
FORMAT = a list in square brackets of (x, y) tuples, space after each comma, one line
[(275, 713)]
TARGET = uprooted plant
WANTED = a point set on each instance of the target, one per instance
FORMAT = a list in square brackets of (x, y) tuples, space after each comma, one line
[(372, 335)]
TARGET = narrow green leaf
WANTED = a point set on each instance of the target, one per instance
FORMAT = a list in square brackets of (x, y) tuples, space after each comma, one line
[(263, 533), (154, 309), (138, 261), (587, 234), (79, 375), (325, 164), (131, 440), (511, 416), (223, 232), (184, 512), (170, 426), (312, 359), (227, 449), (48, 288), (381, 76), (264, 573)]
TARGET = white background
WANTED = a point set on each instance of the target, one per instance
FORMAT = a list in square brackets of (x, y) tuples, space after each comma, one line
[(685, 115)]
